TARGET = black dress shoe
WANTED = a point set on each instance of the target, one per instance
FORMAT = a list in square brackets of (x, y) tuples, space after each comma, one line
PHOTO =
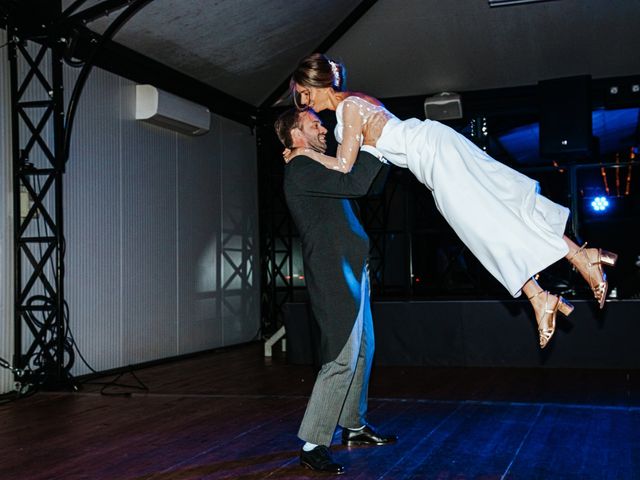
[(320, 460), (366, 436)]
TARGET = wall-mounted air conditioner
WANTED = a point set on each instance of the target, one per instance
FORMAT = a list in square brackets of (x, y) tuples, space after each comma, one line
[(169, 111)]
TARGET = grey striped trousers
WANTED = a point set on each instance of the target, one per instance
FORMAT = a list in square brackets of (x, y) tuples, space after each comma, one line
[(340, 393)]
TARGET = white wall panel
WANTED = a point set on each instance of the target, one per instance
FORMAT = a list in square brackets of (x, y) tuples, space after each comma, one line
[(149, 237), (92, 207), (199, 238), (6, 221)]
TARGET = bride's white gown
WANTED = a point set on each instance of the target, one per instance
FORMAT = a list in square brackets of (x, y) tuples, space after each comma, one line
[(496, 211)]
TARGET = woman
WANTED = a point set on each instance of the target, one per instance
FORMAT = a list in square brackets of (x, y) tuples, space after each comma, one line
[(496, 211)]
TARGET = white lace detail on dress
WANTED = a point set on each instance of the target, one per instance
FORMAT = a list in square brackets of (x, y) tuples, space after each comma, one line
[(351, 116)]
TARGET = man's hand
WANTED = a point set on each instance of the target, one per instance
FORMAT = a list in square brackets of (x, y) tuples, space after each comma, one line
[(373, 128)]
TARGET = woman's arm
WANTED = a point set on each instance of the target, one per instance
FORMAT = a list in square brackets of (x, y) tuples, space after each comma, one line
[(352, 126)]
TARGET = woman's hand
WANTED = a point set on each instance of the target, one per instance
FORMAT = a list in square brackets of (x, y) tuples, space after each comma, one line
[(289, 153)]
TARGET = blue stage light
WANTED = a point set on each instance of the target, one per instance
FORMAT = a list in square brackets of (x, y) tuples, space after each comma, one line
[(600, 204)]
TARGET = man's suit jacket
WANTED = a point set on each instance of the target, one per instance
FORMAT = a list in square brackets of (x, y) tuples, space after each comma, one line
[(335, 246)]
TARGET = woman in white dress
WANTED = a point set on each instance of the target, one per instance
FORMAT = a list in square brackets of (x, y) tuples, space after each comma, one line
[(496, 211)]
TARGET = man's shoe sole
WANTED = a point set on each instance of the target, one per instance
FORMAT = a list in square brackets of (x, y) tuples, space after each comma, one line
[(350, 443), (310, 467)]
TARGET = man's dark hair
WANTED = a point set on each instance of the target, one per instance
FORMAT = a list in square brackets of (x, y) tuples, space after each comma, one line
[(286, 122)]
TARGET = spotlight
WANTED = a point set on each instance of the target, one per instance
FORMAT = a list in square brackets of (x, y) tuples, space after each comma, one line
[(613, 90), (599, 204)]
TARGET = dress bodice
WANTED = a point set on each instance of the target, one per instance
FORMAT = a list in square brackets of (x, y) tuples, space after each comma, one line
[(352, 114), (364, 108)]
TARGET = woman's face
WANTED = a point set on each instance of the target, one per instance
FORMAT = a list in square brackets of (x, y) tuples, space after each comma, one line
[(312, 97)]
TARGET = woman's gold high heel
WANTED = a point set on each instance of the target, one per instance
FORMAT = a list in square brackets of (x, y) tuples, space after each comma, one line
[(547, 323), (596, 280)]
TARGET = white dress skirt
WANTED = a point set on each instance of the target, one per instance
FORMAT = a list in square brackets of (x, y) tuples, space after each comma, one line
[(496, 211)]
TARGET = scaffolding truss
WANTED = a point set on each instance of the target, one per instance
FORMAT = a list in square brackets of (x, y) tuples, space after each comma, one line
[(37, 125), (40, 40)]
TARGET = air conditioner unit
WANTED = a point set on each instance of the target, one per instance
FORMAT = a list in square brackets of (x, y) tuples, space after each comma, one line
[(169, 111), (443, 106)]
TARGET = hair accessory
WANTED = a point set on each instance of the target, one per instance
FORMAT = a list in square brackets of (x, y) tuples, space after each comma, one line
[(336, 73)]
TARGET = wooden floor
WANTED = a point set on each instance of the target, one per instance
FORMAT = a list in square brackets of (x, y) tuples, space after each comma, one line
[(234, 415)]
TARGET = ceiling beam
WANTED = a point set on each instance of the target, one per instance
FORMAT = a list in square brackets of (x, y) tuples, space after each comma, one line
[(325, 45), (135, 66), (121, 60), (33, 16), (100, 10)]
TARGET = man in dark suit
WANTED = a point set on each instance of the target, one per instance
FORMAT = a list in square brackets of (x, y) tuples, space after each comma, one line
[(335, 251)]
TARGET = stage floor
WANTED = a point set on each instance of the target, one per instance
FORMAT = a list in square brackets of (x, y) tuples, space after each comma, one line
[(234, 415)]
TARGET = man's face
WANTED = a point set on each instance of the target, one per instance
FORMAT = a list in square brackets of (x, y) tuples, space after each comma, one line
[(313, 132)]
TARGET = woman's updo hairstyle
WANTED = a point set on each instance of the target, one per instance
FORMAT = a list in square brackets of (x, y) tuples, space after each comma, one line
[(319, 71)]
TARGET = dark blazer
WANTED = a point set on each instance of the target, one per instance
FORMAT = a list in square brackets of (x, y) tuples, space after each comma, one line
[(335, 246)]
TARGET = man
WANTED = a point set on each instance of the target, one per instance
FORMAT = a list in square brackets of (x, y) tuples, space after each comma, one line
[(335, 250)]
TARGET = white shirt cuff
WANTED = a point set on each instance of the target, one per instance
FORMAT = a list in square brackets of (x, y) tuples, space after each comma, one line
[(373, 151)]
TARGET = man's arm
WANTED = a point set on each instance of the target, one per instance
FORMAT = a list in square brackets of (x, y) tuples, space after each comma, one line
[(311, 178), (371, 132), (377, 187)]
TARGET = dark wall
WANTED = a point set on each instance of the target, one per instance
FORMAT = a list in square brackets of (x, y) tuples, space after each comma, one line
[(485, 334)]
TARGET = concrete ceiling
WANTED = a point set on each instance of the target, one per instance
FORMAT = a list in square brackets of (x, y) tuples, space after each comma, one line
[(247, 48)]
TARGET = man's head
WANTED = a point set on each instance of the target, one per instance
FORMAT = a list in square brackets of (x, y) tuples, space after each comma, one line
[(301, 128)]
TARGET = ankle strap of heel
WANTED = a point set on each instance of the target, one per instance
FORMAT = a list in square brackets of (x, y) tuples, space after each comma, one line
[(581, 249), (539, 293)]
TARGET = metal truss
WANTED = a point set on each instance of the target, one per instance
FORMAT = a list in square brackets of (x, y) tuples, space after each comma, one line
[(277, 234), (238, 257), (39, 35), (374, 211), (38, 167)]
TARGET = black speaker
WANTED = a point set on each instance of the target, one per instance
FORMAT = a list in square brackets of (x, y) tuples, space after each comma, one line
[(565, 117)]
